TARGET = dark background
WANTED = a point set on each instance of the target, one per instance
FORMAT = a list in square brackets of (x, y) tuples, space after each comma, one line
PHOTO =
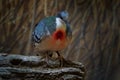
[(95, 25)]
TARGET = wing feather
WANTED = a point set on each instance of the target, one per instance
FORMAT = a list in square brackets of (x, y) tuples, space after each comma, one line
[(39, 32)]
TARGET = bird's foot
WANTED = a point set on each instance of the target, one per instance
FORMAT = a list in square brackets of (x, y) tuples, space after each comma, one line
[(61, 59)]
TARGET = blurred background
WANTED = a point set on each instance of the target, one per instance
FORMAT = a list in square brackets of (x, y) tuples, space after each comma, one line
[(95, 25)]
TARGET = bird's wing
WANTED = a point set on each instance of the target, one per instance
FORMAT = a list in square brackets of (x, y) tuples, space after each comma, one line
[(43, 29), (39, 32)]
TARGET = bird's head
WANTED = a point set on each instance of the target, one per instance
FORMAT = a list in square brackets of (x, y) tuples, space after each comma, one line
[(63, 15)]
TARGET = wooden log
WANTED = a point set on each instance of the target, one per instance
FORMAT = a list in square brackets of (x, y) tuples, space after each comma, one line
[(19, 67)]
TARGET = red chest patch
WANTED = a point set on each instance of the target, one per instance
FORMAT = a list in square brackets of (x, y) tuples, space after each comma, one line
[(58, 41), (59, 35)]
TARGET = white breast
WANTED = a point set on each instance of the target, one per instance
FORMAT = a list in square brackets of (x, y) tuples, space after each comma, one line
[(59, 23)]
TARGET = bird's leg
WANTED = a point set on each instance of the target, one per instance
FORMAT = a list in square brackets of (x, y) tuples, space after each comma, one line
[(61, 58), (47, 57)]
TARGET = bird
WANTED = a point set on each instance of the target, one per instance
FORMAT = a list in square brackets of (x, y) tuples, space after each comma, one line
[(52, 34)]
